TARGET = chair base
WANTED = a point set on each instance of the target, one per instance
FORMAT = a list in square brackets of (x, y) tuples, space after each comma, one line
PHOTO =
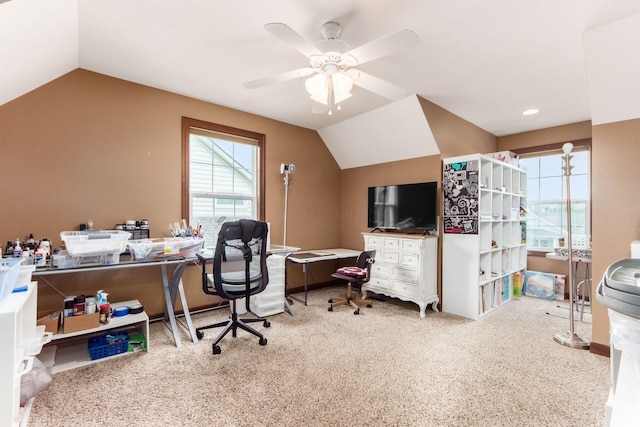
[(232, 326), (355, 303)]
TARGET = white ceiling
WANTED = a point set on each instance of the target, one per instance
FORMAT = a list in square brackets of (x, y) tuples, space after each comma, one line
[(485, 61)]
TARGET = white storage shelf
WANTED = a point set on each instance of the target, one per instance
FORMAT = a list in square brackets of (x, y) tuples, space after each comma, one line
[(72, 349), (481, 258), (21, 342), (271, 300)]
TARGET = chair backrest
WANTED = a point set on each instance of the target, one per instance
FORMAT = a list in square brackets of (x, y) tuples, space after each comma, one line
[(240, 259), (364, 261)]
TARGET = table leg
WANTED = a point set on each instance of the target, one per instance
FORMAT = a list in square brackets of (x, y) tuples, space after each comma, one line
[(305, 267), (287, 303), (176, 285), (169, 304), (176, 288), (576, 265)]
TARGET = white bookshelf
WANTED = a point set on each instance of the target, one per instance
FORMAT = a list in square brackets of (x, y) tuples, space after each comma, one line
[(484, 235)]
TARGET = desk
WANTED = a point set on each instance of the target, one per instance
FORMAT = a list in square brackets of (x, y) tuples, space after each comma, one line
[(580, 256), (307, 258), (172, 286)]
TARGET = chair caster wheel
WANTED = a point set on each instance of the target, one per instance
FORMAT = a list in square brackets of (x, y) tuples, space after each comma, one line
[(216, 349), (263, 341), (199, 334), (266, 324), (369, 305), (330, 301), (357, 311), (330, 309)]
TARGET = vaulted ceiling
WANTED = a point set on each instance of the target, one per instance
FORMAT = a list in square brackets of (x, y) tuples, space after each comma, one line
[(485, 61)]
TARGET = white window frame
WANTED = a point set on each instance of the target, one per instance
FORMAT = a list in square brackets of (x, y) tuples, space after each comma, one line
[(579, 238), (203, 139)]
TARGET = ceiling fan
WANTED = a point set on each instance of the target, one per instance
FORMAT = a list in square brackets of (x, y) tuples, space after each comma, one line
[(332, 62)]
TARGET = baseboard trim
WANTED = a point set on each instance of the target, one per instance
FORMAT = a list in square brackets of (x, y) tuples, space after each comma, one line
[(599, 349), (310, 287)]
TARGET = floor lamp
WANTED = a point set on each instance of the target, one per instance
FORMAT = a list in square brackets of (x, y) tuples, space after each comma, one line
[(570, 338), (286, 170)]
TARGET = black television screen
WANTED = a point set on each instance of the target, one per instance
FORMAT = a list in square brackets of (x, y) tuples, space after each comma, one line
[(403, 207)]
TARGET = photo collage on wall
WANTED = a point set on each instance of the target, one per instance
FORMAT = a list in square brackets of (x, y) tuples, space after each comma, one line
[(460, 184)]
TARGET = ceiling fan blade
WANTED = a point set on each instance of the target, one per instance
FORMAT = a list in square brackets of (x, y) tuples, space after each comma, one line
[(393, 43), (287, 35), (278, 78), (377, 85)]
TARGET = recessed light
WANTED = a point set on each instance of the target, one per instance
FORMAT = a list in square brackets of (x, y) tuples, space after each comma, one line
[(530, 112)]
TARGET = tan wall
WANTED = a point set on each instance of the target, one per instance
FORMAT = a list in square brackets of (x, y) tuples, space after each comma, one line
[(88, 146), (355, 182), (616, 205), (454, 135)]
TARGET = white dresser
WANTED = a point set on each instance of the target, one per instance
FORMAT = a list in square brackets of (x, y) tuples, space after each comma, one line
[(405, 268)]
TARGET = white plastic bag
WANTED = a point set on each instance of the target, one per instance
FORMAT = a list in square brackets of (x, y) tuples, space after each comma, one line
[(34, 381)]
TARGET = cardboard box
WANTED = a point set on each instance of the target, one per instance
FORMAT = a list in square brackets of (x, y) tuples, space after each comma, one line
[(50, 320), (80, 323)]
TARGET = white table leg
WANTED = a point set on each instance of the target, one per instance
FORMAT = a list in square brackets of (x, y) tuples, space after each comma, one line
[(187, 315), (169, 303)]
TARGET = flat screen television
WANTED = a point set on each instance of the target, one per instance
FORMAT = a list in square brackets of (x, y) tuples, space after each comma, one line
[(403, 207)]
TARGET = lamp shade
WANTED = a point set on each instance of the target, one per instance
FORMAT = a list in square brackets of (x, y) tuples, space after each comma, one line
[(318, 88), (322, 86), (567, 147), (342, 85)]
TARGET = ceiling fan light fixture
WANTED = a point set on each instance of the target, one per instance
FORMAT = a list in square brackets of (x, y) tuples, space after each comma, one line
[(342, 85), (318, 87), (323, 87)]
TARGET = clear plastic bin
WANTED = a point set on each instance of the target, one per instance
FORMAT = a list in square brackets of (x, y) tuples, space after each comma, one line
[(149, 249), (24, 276), (95, 242), (9, 270)]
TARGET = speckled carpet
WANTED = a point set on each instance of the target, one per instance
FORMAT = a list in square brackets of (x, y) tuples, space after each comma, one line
[(385, 367)]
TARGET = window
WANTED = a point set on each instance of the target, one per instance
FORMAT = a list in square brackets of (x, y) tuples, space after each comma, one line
[(547, 199), (222, 175)]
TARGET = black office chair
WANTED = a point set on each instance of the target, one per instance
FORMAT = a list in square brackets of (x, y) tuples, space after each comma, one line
[(239, 271), (358, 275)]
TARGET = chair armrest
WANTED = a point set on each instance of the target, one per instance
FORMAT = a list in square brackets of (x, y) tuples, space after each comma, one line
[(203, 257)]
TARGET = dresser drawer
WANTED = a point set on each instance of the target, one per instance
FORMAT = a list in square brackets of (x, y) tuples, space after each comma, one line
[(405, 288), (405, 274), (410, 245), (391, 243), (409, 260), (380, 270), (389, 257), (376, 283), (373, 242)]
